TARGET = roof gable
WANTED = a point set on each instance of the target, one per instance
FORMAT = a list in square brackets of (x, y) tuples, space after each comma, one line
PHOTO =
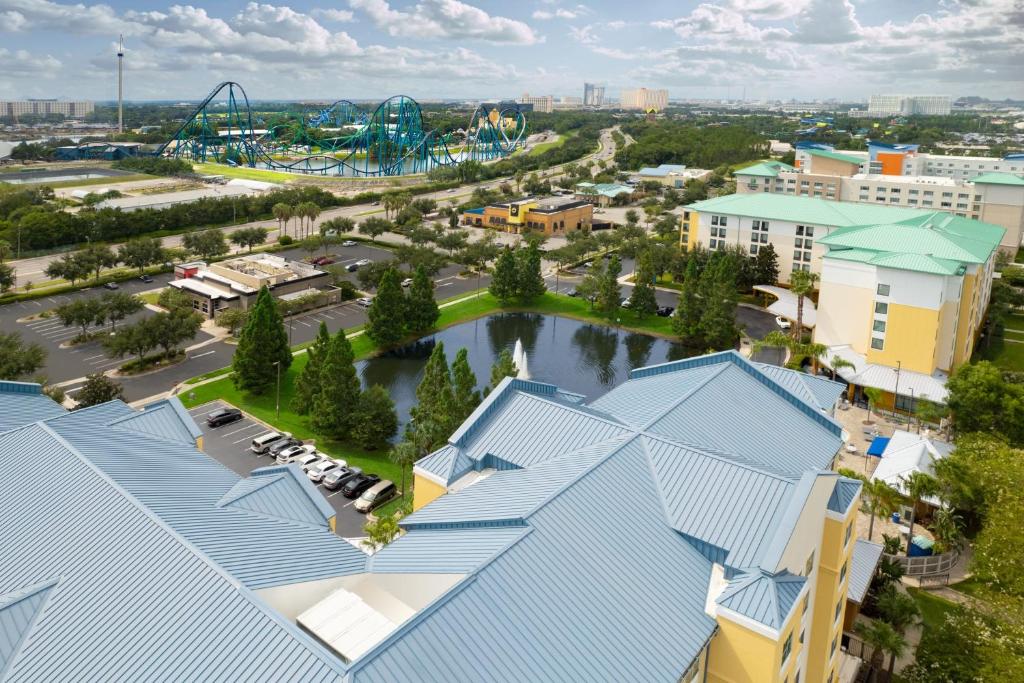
[(766, 598), (165, 419), (23, 403), (282, 492), (19, 610)]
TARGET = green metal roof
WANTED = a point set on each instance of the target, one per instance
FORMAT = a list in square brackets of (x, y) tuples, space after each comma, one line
[(919, 263), (998, 179), (765, 169), (833, 155), (806, 210)]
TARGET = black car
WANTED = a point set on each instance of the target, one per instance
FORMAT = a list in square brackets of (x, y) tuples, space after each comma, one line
[(352, 267), (110, 285), (223, 416), (666, 311), (146, 278), (282, 444), (356, 485), (336, 479)]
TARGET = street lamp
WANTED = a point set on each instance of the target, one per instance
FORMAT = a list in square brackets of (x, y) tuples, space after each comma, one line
[(895, 390), (277, 403)]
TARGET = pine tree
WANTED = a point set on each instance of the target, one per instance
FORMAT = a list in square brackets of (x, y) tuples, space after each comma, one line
[(375, 419), (503, 282), (386, 324), (686, 321), (642, 301), (609, 293), (432, 417), (307, 386), (766, 265), (466, 397), (263, 342), (335, 407), (718, 295), (421, 309), (503, 367), (529, 281)]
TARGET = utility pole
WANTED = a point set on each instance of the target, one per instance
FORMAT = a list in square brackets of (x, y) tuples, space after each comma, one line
[(120, 84)]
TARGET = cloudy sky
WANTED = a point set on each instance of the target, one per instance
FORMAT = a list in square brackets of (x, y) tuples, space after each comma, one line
[(357, 49)]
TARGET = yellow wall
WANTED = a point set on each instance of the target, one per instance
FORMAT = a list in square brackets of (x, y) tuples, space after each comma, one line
[(332, 522), (689, 227), (827, 592), (910, 334), (199, 442), (739, 655), (425, 491), (963, 330)]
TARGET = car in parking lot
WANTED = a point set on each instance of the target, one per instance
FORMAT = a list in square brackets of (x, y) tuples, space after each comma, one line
[(146, 278), (376, 495), (223, 416), (317, 472), (407, 282), (665, 311), (322, 261), (337, 478), (308, 462), (293, 453), (356, 485), (110, 285), (624, 303), (348, 243), (782, 322), (262, 443), (364, 301), (283, 444), (363, 262)]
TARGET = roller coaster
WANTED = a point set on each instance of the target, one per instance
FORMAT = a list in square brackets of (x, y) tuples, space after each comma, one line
[(339, 139)]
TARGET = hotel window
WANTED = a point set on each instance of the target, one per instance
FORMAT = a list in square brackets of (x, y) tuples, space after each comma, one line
[(863, 198), (753, 249), (764, 238), (800, 230), (722, 221), (912, 191), (883, 289), (817, 186), (894, 200), (849, 534), (686, 215), (878, 326), (804, 183), (833, 650), (977, 197), (714, 220), (842, 573), (864, 188), (807, 604), (809, 566), (928, 193), (839, 609), (962, 196), (798, 243), (947, 194), (807, 256), (912, 202), (787, 648), (712, 244), (877, 344), (927, 202), (894, 190), (962, 206)]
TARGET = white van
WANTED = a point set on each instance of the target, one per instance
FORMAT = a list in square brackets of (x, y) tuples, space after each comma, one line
[(262, 443)]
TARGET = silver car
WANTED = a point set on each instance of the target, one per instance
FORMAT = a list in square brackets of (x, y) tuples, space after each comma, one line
[(317, 472)]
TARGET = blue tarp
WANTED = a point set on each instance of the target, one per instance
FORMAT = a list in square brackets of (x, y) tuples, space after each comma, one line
[(878, 446)]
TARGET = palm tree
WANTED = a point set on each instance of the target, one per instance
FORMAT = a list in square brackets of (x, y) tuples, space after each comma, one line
[(280, 211), (404, 455), (873, 395), (917, 485), (838, 362), (947, 528), (5, 250), (314, 212), (882, 501), (801, 283), (883, 639)]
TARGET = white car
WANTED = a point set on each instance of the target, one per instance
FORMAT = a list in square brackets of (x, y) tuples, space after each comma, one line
[(363, 262), (308, 462), (407, 282), (782, 322), (365, 301), (317, 472), (348, 243), (293, 454)]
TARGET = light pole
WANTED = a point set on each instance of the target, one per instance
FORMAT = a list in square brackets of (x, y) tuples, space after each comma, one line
[(895, 390), (277, 402)]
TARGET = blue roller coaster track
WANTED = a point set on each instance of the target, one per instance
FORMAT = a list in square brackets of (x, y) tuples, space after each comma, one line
[(339, 139)]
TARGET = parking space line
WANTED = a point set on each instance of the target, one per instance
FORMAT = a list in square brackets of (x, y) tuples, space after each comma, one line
[(98, 355), (248, 426), (244, 438)]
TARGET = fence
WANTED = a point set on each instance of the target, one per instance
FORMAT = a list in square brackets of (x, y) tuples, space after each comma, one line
[(924, 566)]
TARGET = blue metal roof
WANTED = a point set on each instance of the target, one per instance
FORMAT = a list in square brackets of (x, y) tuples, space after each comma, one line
[(863, 563), (445, 551), (282, 492), (525, 614), (662, 170), (22, 403), (765, 598), (183, 486), (843, 495), (165, 419), (130, 596), (818, 391)]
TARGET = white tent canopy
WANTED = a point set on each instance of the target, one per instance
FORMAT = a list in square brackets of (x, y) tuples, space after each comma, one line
[(907, 453), (785, 304)]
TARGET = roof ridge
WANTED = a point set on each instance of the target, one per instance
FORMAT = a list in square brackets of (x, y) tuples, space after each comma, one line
[(7, 601), (250, 480), (326, 656), (686, 395), (721, 456)]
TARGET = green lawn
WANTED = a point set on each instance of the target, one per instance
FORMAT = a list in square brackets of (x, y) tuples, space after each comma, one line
[(545, 146), (1005, 354), (933, 608), (245, 173)]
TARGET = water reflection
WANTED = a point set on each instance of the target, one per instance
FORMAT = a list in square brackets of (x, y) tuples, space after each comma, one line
[(577, 356)]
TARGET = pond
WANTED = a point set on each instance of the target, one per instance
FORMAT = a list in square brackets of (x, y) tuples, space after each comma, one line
[(576, 356)]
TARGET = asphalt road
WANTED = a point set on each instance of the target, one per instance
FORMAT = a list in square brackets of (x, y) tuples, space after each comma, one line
[(229, 445)]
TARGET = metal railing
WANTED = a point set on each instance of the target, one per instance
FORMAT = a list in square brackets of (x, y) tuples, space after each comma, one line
[(924, 566)]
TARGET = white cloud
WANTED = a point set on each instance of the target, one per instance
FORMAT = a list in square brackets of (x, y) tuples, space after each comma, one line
[(561, 13), (342, 16), (22, 63), (434, 19), (716, 21)]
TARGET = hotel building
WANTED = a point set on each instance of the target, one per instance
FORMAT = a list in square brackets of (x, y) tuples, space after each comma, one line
[(644, 99), (908, 105)]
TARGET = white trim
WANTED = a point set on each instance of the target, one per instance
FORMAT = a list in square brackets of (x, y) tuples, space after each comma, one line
[(836, 516), (748, 623), (429, 476)]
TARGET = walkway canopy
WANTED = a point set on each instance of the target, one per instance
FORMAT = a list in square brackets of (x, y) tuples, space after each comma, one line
[(786, 302)]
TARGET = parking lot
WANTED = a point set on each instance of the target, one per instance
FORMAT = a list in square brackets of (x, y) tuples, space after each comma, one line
[(229, 445)]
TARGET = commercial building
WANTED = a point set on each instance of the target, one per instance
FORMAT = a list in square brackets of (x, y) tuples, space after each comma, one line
[(12, 109), (904, 159), (550, 215), (887, 175), (644, 99), (720, 465), (672, 175), (593, 94), (544, 103), (603, 194), (908, 105), (234, 283), (163, 200), (567, 103), (513, 567)]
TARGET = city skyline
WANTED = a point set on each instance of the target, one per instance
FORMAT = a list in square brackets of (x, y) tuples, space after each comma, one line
[(725, 49)]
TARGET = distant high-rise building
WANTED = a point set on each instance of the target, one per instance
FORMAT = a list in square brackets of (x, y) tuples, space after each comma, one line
[(14, 108), (885, 105), (544, 103), (642, 98), (593, 94)]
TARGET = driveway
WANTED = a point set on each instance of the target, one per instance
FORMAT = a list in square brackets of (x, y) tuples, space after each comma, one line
[(229, 445)]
